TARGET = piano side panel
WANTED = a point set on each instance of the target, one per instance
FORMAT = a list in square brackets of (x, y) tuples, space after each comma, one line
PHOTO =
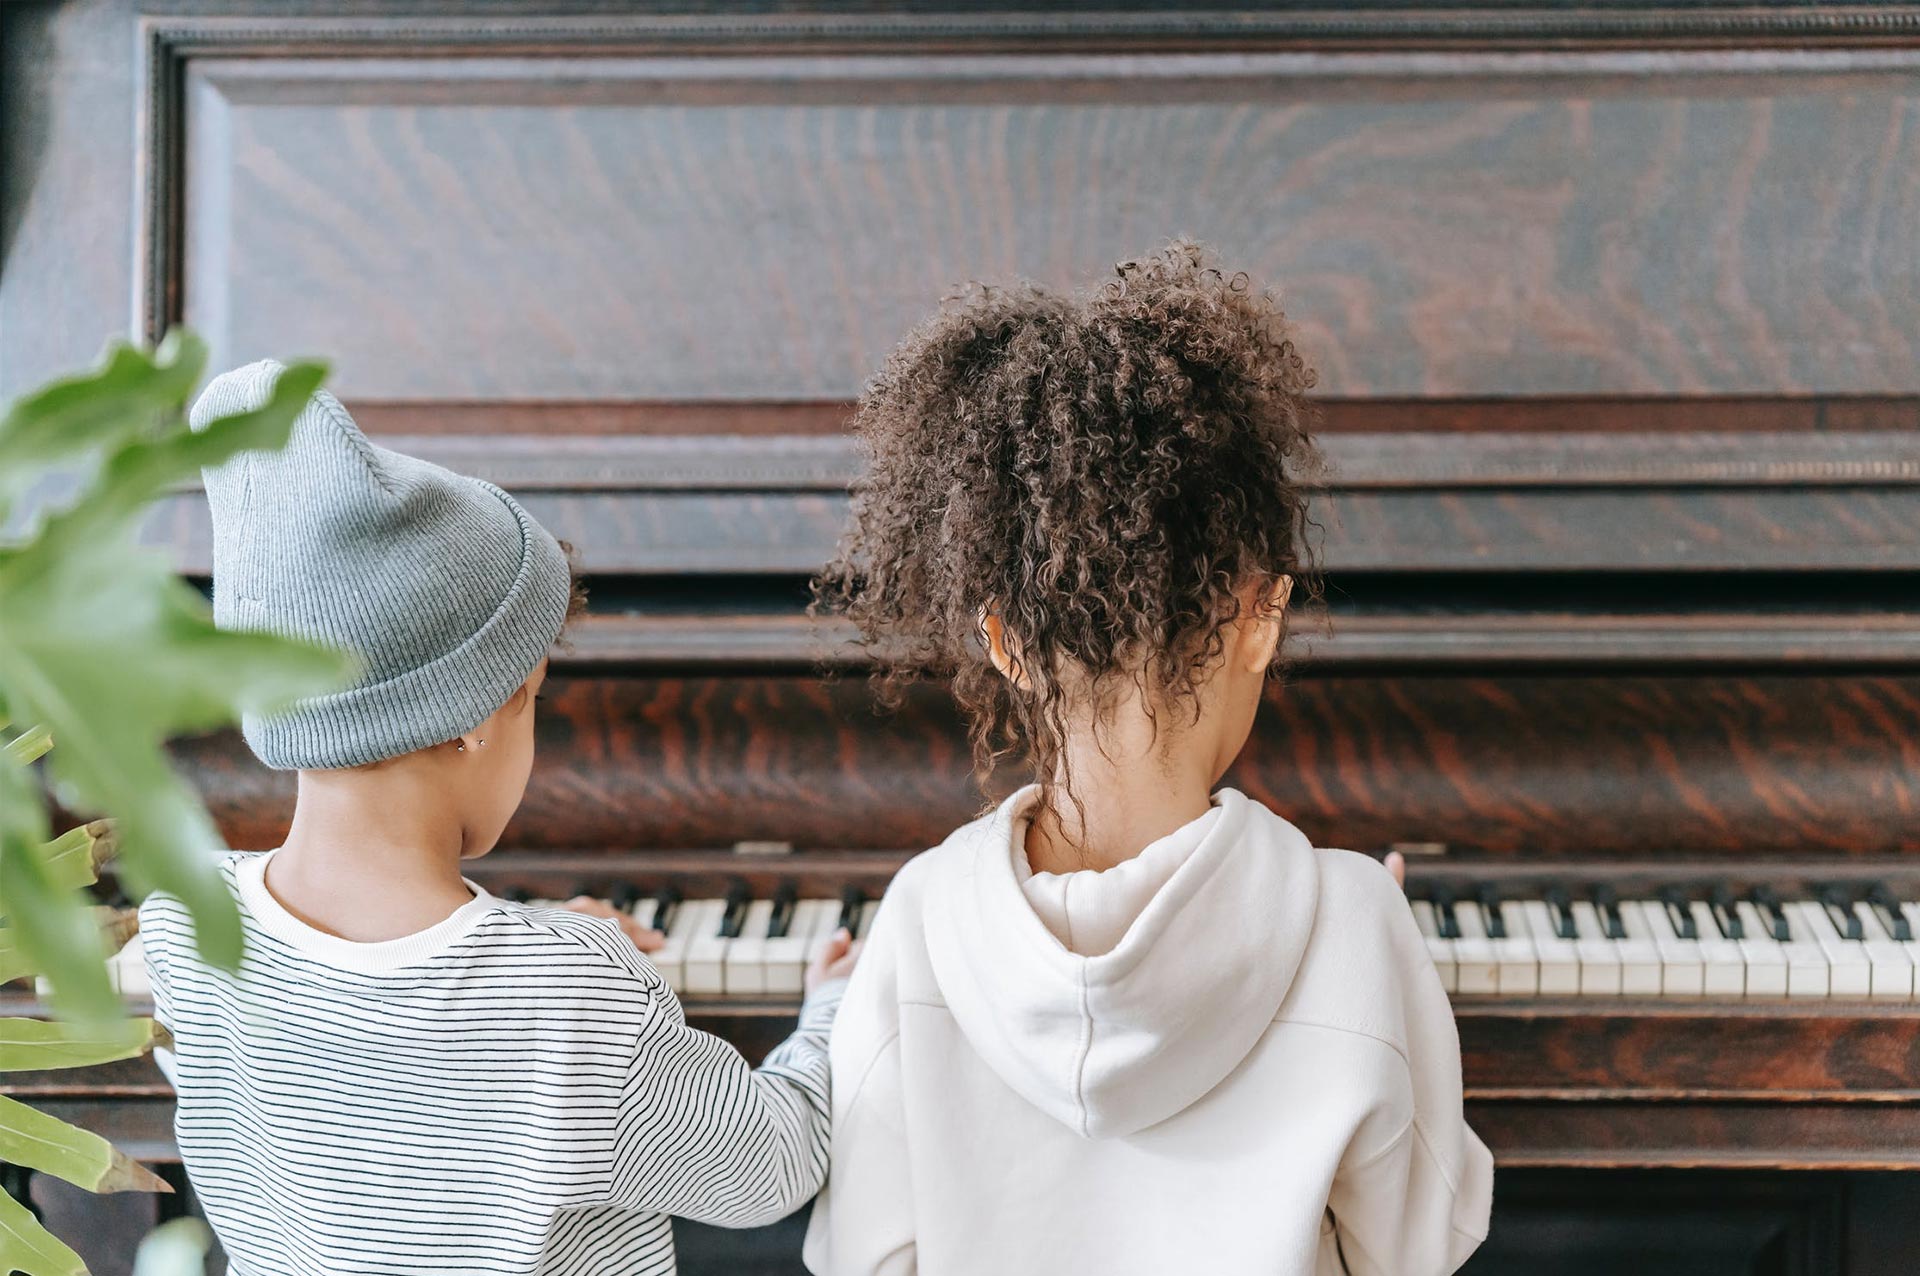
[(1534, 767)]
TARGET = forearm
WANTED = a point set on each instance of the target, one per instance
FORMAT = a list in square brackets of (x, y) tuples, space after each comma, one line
[(711, 1139)]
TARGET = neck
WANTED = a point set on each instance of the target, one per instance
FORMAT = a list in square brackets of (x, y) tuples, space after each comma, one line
[(1134, 786), (371, 855)]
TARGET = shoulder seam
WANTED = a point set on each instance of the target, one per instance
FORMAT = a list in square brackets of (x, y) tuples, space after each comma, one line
[(1370, 1035), (879, 1053)]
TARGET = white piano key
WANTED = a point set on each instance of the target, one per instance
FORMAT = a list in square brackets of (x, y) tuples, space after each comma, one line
[(1683, 971), (828, 925), (1849, 973), (1726, 966), (128, 970), (1477, 970), (1807, 968), (1440, 950), (1599, 956), (707, 951), (1894, 961), (1517, 962), (868, 911), (745, 973), (1640, 965), (788, 955), (644, 911), (1806, 963), (1559, 959), (671, 959), (1767, 972)]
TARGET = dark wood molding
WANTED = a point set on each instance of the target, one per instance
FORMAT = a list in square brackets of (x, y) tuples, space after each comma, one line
[(1823, 39), (1355, 461), (1516, 506), (1635, 1083), (1554, 415), (794, 642)]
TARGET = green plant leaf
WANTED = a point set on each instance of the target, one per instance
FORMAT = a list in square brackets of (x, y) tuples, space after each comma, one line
[(27, 1247), (144, 467), (178, 1248), (29, 746), (99, 409), (75, 858), (36, 1045), (102, 643), (49, 1145)]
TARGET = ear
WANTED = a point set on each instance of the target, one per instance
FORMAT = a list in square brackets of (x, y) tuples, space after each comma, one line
[(1263, 608), (994, 634)]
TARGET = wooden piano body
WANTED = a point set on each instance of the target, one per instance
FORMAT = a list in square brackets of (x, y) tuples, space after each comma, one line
[(1618, 316)]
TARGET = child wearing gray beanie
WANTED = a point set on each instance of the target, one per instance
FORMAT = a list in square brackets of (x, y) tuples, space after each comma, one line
[(408, 1074)]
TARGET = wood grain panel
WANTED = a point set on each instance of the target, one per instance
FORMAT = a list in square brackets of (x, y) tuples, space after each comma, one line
[(1553, 767), (763, 226)]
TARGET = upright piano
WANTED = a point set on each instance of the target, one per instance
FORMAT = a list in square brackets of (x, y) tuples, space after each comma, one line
[(1617, 315)]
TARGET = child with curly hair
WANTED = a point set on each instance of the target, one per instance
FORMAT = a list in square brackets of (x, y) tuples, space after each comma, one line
[(1125, 1022)]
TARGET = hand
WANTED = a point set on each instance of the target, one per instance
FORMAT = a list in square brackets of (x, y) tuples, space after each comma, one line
[(836, 960), (1397, 865), (645, 938)]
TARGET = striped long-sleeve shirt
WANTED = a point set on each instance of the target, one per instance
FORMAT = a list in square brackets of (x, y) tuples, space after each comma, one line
[(514, 1090)]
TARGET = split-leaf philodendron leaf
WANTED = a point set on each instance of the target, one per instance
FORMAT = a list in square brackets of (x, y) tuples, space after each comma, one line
[(106, 654)]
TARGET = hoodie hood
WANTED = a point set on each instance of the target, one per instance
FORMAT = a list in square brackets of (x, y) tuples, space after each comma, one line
[(1108, 1045)]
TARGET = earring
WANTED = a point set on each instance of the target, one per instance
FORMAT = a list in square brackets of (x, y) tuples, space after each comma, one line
[(482, 743), (460, 747)]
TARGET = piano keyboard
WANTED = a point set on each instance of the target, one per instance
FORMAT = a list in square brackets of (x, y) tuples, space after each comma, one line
[(737, 946), (1840, 943), (1852, 943)]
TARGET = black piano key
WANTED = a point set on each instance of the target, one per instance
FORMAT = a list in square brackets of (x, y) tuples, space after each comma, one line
[(1678, 913), (665, 901), (785, 900), (516, 895), (852, 900), (1840, 912), (1560, 908), (1767, 903), (1446, 921), (624, 896), (738, 897), (1606, 903), (1881, 900), (1720, 903), (1489, 900)]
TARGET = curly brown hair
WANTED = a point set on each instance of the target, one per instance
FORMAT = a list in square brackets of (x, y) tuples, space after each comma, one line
[(1103, 472)]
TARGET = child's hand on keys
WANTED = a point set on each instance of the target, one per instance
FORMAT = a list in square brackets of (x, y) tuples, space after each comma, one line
[(1397, 865), (645, 938), (836, 960)]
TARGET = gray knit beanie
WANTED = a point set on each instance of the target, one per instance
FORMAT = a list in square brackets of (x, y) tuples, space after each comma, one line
[(445, 589)]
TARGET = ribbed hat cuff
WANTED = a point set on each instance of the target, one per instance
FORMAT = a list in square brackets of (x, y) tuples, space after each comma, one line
[(437, 701)]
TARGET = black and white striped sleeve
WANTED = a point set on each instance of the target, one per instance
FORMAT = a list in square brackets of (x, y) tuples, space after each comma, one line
[(706, 1137)]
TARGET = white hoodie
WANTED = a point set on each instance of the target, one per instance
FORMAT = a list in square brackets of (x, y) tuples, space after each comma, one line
[(1228, 1055)]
